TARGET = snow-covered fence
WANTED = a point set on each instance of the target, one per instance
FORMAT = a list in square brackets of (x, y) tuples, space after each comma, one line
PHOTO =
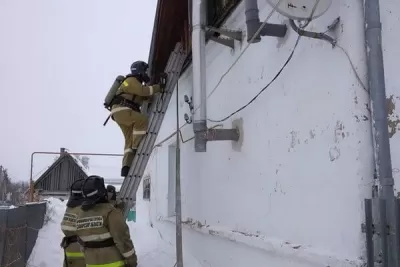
[(18, 233)]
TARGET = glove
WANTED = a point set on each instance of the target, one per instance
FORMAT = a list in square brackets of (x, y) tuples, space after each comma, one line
[(64, 243), (131, 261)]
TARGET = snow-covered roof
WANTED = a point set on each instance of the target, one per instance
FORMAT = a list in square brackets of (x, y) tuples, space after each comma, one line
[(80, 164), (117, 183)]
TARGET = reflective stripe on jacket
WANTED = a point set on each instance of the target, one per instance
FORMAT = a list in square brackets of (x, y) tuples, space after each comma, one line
[(68, 226), (100, 223)]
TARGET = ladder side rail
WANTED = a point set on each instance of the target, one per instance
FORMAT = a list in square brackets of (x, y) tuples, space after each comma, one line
[(138, 173), (161, 114), (140, 168), (138, 176), (151, 118), (132, 181), (154, 127)]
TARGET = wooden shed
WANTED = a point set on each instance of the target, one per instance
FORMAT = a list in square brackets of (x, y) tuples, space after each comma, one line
[(58, 178)]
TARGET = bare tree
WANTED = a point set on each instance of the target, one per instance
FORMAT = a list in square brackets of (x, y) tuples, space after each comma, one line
[(4, 183), (12, 192), (85, 161)]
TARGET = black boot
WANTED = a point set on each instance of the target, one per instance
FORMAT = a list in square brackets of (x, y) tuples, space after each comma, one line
[(124, 171)]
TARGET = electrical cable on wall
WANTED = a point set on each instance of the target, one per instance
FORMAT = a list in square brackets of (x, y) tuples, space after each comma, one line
[(242, 53), (298, 30), (301, 32), (181, 136), (265, 87), (353, 68), (230, 68), (262, 90), (279, 72), (323, 36)]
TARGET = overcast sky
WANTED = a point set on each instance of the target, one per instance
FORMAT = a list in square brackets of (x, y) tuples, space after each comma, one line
[(57, 61)]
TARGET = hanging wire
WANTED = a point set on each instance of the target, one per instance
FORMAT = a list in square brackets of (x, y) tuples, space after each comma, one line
[(264, 88), (243, 51)]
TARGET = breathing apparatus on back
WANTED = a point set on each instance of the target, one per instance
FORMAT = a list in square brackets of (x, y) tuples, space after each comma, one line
[(112, 93), (138, 70)]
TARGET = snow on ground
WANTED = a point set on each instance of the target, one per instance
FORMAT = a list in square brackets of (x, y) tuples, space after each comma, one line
[(152, 251), (47, 251)]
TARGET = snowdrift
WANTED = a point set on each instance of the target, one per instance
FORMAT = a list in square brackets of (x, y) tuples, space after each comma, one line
[(152, 251)]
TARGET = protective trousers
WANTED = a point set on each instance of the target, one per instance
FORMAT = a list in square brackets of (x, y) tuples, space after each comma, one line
[(73, 256), (133, 126)]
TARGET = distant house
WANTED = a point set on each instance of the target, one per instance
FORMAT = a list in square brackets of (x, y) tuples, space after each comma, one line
[(58, 178)]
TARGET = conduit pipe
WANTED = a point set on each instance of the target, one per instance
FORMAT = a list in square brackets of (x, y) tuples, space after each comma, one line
[(201, 132), (253, 24), (376, 85)]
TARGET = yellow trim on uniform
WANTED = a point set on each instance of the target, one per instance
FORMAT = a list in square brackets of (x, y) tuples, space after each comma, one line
[(68, 228), (138, 132), (99, 237), (125, 83), (114, 264), (118, 109), (74, 254), (129, 253), (128, 150)]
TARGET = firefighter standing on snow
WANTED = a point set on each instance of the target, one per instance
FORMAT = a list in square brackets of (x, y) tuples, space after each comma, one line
[(73, 256), (124, 100), (102, 230)]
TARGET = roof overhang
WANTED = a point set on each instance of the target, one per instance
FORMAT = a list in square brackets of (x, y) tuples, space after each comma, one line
[(171, 25)]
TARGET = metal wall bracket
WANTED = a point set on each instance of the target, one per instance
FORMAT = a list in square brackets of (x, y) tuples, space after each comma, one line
[(369, 229), (222, 135), (202, 135), (226, 37), (375, 229), (372, 229), (316, 35), (379, 232), (224, 41)]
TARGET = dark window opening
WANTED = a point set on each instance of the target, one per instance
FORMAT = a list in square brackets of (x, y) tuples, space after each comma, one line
[(219, 10), (146, 188)]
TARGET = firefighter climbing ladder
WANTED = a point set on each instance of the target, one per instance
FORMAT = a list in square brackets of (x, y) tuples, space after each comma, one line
[(131, 182)]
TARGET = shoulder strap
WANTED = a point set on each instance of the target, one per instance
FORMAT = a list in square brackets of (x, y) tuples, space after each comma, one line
[(126, 77)]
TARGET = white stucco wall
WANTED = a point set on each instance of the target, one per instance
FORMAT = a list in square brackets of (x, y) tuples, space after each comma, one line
[(293, 194)]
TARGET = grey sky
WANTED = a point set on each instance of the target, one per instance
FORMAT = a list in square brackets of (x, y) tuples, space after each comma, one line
[(57, 61)]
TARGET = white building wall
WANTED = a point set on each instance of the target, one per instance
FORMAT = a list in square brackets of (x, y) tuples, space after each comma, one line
[(293, 193)]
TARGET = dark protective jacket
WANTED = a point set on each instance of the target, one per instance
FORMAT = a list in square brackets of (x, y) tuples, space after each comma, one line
[(72, 249), (103, 223)]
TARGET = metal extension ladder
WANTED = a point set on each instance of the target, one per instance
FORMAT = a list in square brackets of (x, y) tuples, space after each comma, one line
[(159, 107)]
